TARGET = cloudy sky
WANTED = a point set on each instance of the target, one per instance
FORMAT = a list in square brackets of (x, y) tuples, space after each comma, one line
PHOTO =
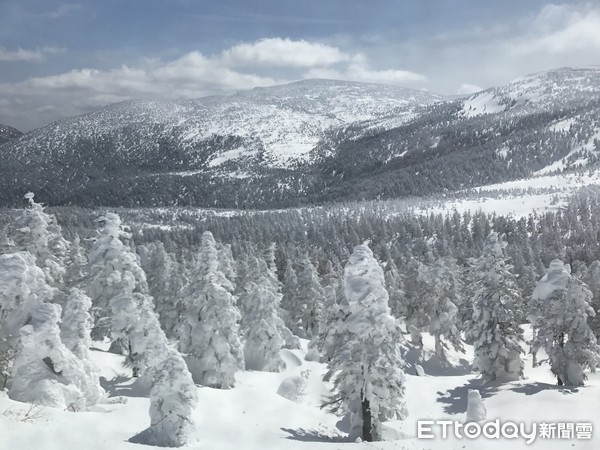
[(59, 59)]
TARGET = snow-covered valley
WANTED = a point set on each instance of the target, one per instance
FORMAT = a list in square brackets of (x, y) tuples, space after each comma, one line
[(253, 416)]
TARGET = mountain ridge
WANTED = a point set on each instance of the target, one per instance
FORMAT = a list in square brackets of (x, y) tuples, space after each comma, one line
[(307, 142), (8, 133)]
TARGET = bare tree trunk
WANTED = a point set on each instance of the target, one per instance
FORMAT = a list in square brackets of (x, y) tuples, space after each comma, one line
[(367, 432)]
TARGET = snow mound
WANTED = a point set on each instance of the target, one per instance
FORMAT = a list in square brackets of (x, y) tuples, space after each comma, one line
[(291, 359), (292, 388)]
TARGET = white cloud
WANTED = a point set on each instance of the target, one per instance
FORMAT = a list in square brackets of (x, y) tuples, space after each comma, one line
[(20, 54), (468, 88), (562, 29), (284, 52), (192, 75), (556, 35), (361, 71), (64, 10)]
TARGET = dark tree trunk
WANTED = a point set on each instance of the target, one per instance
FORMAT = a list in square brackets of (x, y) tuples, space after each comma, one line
[(367, 431)]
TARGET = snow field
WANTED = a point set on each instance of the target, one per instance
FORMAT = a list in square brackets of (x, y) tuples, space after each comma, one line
[(252, 416)]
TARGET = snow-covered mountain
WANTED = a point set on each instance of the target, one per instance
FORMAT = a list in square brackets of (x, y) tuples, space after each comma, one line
[(540, 92), (8, 133), (309, 142)]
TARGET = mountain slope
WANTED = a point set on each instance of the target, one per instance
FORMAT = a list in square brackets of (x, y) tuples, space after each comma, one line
[(309, 142), (543, 123), (8, 133), (267, 130)]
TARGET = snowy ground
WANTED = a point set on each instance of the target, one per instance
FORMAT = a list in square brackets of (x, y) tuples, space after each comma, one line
[(518, 198), (254, 416)]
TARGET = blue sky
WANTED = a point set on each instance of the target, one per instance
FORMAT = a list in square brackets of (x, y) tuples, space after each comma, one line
[(62, 58)]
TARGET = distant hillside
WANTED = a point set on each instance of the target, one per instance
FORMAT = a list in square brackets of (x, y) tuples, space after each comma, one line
[(8, 133), (308, 142)]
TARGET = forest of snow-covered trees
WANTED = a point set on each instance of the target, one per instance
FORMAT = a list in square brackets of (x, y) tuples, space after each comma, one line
[(191, 299)]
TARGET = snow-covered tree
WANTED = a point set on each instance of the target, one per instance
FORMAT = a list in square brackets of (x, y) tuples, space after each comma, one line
[(261, 324), (165, 284), (75, 264), (39, 234), (23, 287), (439, 305), (148, 341), (172, 400), (310, 298), (77, 324), (209, 335), (494, 327), (321, 346), (45, 371), (592, 279), (289, 300), (227, 263), (395, 286), (560, 321), (75, 334), (172, 394), (366, 366), (114, 269), (416, 290)]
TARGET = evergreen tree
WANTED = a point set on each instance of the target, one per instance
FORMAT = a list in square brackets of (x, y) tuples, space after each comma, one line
[(45, 372), (113, 270), (75, 264), (494, 327), (39, 234), (210, 334), (289, 302), (165, 284), (561, 328), (261, 324), (395, 287), (23, 288), (172, 400), (75, 334), (440, 306), (366, 366), (310, 298)]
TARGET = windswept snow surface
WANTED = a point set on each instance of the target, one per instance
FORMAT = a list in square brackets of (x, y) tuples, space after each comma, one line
[(253, 416), (518, 198)]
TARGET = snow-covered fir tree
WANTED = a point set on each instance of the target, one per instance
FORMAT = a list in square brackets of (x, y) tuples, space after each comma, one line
[(77, 324), (23, 288), (292, 314), (260, 323), (394, 284), (592, 279), (310, 298), (440, 306), (148, 342), (39, 234), (495, 324), (172, 400), (75, 334), (209, 335), (416, 289), (560, 320), (113, 269), (45, 371), (75, 264), (366, 367), (227, 263), (320, 346), (165, 284)]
